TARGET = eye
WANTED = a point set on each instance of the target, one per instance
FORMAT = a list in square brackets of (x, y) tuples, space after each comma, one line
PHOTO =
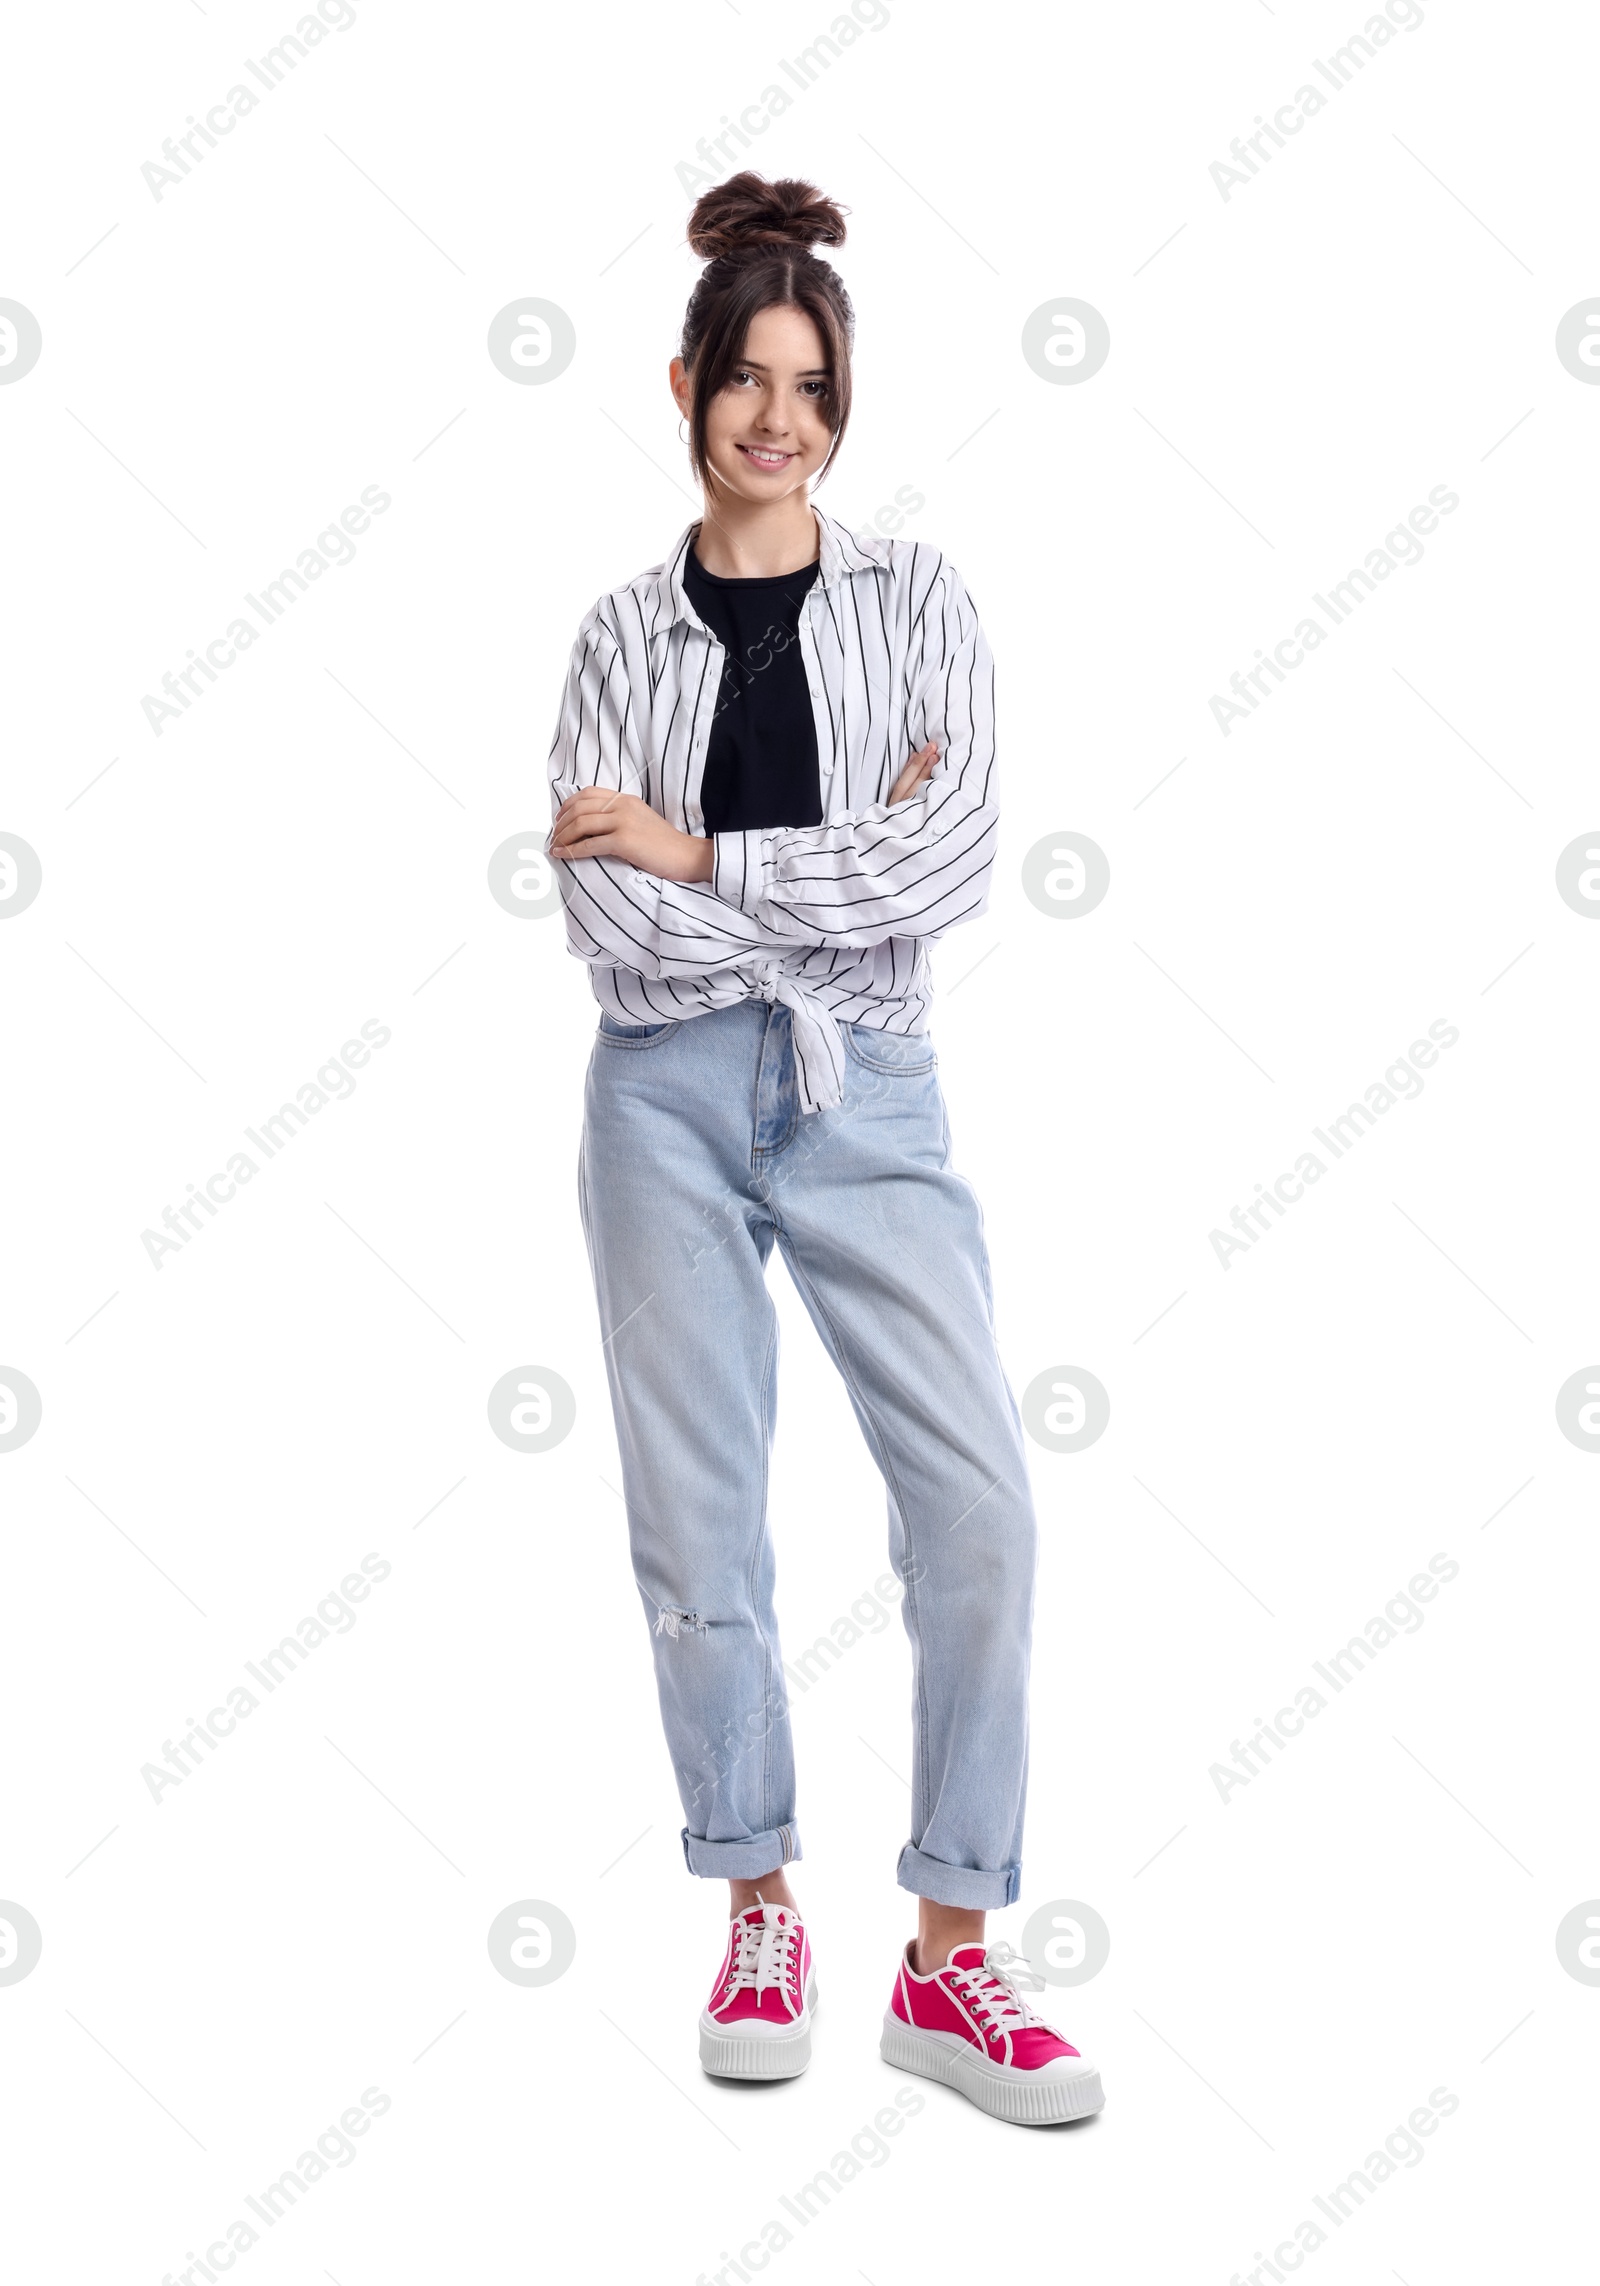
[(819, 387)]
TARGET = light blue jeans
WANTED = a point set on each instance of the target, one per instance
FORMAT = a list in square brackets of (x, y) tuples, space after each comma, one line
[(695, 1161)]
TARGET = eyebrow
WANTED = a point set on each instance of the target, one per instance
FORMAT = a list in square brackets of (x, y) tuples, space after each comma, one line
[(811, 373)]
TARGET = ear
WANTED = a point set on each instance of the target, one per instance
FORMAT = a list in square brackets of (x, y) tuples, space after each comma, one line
[(678, 376)]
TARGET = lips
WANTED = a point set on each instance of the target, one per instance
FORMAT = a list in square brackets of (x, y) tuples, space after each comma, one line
[(762, 459)]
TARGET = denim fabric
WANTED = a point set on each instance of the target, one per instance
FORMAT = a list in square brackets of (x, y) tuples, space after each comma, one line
[(695, 1162)]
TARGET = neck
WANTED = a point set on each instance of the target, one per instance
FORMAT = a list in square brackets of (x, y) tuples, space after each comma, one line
[(757, 539)]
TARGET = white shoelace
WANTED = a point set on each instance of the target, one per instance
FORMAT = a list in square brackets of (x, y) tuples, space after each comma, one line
[(765, 1958), (994, 1991)]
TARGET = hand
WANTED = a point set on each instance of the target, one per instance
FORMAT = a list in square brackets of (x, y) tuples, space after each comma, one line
[(597, 821), (917, 770)]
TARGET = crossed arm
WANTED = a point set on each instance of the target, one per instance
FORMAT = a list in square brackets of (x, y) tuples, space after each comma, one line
[(668, 904), (598, 821)]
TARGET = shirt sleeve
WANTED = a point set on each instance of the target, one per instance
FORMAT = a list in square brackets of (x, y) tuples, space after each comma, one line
[(915, 869), (615, 915)]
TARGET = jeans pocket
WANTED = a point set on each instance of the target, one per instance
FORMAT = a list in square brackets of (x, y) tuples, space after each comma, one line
[(618, 1035), (907, 1053)]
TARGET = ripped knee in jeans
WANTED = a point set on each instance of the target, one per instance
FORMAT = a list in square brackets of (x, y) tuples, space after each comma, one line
[(672, 1617)]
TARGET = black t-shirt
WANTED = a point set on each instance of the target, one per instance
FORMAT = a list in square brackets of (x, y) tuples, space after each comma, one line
[(761, 758)]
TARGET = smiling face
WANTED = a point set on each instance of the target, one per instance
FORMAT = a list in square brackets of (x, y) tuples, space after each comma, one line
[(768, 429)]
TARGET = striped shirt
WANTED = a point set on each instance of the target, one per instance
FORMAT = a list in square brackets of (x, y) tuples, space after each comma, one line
[(832, 921)]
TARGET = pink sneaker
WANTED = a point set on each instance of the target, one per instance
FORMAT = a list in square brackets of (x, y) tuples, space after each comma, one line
[(757, 2023), (969, 2026)]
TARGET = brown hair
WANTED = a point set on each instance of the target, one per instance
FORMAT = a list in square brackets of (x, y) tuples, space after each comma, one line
[(756, 239)]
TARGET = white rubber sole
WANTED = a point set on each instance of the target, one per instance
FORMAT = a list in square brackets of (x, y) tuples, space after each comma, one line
[(780, 2056), (1026, 2103)]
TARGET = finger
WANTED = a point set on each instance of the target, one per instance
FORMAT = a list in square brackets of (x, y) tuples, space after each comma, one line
[(575, 830), (912, 776)]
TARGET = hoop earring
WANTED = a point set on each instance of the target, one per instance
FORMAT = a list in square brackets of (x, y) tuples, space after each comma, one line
[(683, 430)]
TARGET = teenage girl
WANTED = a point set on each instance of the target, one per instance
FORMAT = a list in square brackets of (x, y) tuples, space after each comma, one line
[(774, 785)]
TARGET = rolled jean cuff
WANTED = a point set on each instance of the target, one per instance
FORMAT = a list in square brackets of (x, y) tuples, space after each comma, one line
[(742, 1860), (957, 1884)]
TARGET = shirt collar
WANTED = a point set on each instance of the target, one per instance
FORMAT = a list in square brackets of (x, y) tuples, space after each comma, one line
[(842, 553)]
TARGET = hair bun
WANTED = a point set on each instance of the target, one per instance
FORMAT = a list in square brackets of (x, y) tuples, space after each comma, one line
[(747, 214)]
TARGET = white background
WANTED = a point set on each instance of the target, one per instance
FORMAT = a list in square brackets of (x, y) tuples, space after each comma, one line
[(304, 315)]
